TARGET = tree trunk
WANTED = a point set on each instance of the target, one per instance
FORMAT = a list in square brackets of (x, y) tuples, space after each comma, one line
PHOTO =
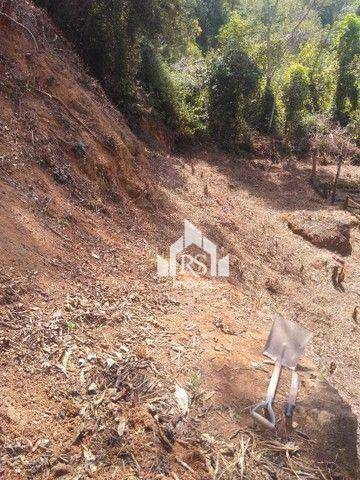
[(336, 180)]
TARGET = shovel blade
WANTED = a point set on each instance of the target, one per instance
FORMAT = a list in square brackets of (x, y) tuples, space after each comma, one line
[(286, 342)]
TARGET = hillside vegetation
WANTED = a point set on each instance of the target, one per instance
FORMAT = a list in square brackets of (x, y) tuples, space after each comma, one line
[(226, 68)]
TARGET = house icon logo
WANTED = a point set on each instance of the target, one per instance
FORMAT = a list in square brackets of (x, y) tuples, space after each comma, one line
[(194, 265)]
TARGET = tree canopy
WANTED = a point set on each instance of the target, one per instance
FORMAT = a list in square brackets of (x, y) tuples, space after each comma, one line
[(224, 66)]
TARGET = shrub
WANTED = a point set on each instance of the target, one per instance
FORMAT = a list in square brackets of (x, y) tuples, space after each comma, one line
[(190, 85), (211, 15), (353, 127), (156, 79)]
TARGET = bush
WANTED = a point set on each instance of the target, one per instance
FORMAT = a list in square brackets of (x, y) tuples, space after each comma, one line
[(321, 61), (156, 79), (211, 15), (192, 96)]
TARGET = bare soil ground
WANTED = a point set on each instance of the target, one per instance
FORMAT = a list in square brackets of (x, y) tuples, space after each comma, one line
[(92, 343)]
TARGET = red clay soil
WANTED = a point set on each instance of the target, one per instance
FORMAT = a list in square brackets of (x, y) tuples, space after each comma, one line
[(93, 343)]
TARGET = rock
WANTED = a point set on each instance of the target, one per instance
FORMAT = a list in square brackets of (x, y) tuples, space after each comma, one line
[(330, 230), (330, 423)]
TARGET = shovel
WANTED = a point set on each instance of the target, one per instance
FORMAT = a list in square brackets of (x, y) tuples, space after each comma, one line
[(285, 345)]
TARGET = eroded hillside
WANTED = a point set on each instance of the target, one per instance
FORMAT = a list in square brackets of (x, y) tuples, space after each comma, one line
[(93, 343)]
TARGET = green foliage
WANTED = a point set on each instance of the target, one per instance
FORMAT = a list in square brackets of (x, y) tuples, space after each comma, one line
[(236, 33), (328, 9), (224, 66), (296, 99), (175, 92), (348, 50), (71, 325), (321, 62), (155, 76), (296, 93), (190, 78), (233, 83), (108, 35), (353, 127)]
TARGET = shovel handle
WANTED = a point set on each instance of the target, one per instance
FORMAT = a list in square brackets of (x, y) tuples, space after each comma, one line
[(290, 406), (274, 382), (267, 405)]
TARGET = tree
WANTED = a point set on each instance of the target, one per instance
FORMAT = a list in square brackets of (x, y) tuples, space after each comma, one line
[(282, 27), (108, 34), (319, 57), (233, 83), (330, 10), (225, 65), (296, 92), (348, 51)]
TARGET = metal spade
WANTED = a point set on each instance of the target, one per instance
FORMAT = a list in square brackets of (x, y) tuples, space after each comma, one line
[(285, 345)]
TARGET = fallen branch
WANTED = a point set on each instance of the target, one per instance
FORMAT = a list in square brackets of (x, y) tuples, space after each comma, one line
[(5, 15)]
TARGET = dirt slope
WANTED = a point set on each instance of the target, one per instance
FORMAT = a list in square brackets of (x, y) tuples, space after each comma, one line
[(92, 342)]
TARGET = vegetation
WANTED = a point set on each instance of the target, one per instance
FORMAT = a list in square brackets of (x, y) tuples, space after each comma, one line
[(233, 85), (348, 51), (296, 94), (223, 67)]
